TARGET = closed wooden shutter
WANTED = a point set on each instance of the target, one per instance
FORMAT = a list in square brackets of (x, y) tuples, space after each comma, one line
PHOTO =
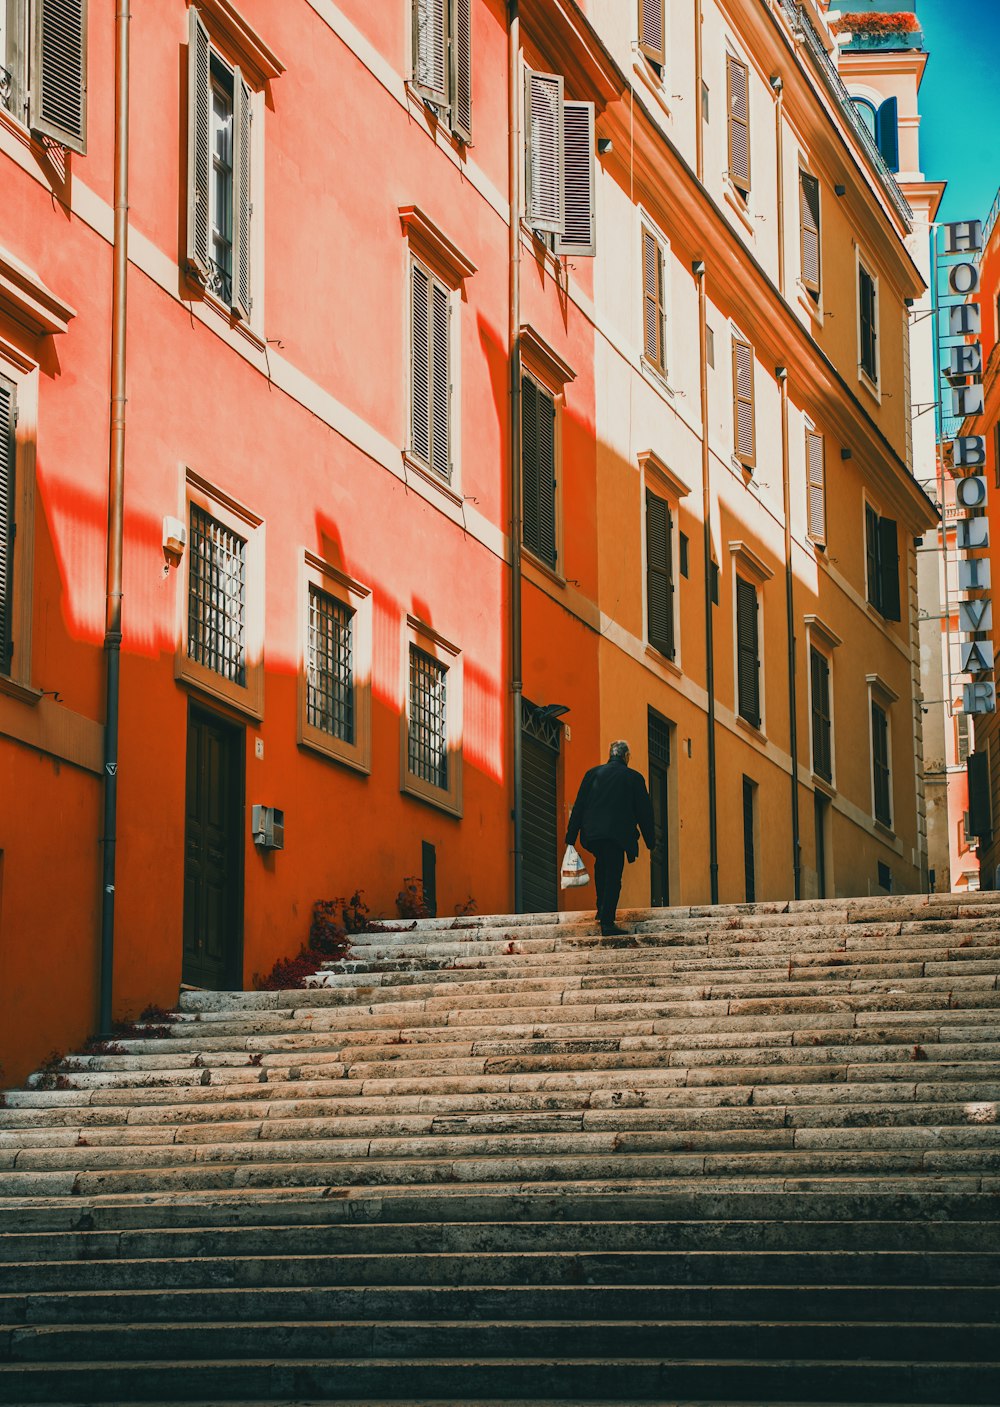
[(652, 32), (430, 51), (529, 463), (242, 209), (816, 486), (7, 463), (869, 327), (578, 236), (749, 842), (659, 575), (440, 381), (820, 681), (872, 572), (538, 488), (748, 662), (889, 568), (544, 150), (809, 215), (461, 69), (744, 433), (58, 97), (887, 132), (420, 364), (539, 820), (653, 340), (880, 765), (738, 92), (199, 145)]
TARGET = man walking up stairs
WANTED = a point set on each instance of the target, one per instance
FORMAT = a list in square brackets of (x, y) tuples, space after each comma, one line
[(741, 1156)]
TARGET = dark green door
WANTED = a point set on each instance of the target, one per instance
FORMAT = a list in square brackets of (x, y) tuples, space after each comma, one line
[(540, 811), (659, 764), (213, 853)]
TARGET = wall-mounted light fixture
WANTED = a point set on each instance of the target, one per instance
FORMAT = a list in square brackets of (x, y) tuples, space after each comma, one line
[(840, 190), (604, 145), (698, 267), (845, 453)]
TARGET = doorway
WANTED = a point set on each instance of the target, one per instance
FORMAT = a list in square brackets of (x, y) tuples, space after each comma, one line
[(539, 810), (659, 779), (750, 840), (213, 852), (821, 806)]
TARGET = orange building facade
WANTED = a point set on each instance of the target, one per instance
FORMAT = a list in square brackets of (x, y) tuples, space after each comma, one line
[(680, 386)]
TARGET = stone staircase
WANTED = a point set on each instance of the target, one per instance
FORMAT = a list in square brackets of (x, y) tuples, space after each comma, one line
[(744, 1155)]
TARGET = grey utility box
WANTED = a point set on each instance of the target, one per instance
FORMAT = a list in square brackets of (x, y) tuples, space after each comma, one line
[(268, 827)]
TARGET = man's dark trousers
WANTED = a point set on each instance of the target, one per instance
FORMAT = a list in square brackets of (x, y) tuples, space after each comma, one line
[(609, 864)]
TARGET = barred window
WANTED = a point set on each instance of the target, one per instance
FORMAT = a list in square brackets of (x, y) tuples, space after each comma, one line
[(217, 603), (428, 733), (330, 666)]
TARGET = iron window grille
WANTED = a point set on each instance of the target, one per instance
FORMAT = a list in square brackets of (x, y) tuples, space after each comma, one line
[(217, 598), (330, 666), (428, 730)]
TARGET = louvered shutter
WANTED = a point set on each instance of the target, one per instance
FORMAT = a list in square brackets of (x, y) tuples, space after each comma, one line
[(738, 91), (889, 568), (440, 381), (652, 31), (869, 331), (7, 461), (546, 423), (544, 149), (809, 210), (652, 301), (659, 575), (822, 751), (242, 209), (199, 144), (743, 403), (880, 765), (872, 556), (420, 363), (816, 486), (748, 664), (430, 51), (58, 97), (529, 464), (887, 132), (578, 235), (461, 69)]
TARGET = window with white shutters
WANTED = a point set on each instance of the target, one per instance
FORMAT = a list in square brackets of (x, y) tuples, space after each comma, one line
[(659, 575), (442, 60), (538, 471), (744, 429), (747, 652), (430, 371), (652, 33), (867, 324), (809, 217), (654, 311), (559, 143), (816, 486), (8, 416), (738, 122), (220, 194)]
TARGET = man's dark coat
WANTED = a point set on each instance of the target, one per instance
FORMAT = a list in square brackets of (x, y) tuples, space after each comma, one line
[(612, 804)]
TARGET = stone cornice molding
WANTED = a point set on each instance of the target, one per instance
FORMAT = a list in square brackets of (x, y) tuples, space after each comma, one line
[(25, 298)]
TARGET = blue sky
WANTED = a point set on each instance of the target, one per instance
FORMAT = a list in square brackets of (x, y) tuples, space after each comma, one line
[(960, 103)]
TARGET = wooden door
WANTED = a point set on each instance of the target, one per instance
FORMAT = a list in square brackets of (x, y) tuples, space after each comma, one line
[(213, 853), (659, 765)]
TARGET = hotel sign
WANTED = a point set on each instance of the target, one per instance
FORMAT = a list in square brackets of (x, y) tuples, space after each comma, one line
[(962, 363)]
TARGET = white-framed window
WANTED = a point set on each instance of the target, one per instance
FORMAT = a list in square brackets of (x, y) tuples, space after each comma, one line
[(336, 654), (654, 264), (559, 161), (653, 34), (442, 61), (43, 68), (222, 598), (868, 325), (881, 697), (431, 359), (431, 752)]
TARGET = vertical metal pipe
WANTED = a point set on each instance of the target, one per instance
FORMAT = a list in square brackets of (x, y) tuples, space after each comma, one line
[(514, 336), (777, 88), (116, 493), (706, 488), (699, 119), (793, 722)]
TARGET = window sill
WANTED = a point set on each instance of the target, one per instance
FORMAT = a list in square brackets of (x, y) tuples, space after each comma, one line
[(448, 801), (654, 83), (755, 730), (219, 306), (670, 666), (438, 118), (736, 202), (24, 693), (872, 387), (16, 127), (432, 477), (346, 754), (809, 304), (540, 565), (657, 375), (820, 784), (883, 829)]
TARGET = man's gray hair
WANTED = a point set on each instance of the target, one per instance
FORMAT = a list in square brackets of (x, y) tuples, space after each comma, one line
[(620, 748)]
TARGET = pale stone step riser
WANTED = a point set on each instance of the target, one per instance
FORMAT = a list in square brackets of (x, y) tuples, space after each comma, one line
[(464, 1380)]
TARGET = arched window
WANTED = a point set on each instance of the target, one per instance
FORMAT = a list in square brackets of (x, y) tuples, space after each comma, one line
[(866, 111), (883, 124)]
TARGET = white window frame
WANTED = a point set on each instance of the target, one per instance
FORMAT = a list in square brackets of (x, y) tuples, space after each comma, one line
[(414, 460), (419, 634), (881, 693), (661, 375), (745, 563), (661, 480), (316, 572)]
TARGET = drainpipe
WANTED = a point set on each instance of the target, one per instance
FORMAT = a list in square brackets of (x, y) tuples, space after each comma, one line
[(698, 268), (699, 125), (793, 722), (116, 491), (777, 88), (514, 337)]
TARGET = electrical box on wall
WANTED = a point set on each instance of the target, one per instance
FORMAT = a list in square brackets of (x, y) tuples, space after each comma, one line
[(268, 824)]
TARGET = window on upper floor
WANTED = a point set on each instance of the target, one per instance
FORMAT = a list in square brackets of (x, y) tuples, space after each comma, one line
[(815, 486), (868, 325), (809, 217), (8, 455), (738, 122), (220, 223), (432, 723), (659, 574), (822, 724), (43, 67), (881, 120), (430, 371), (748, 652), (538, 470), (442, 61), (962, 747), (881, 769), (882, 563), (654, 299), (653, 34), (559, 165), (744, 428)]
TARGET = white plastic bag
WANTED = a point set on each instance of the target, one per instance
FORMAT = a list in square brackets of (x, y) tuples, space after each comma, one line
[(574, 871)]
